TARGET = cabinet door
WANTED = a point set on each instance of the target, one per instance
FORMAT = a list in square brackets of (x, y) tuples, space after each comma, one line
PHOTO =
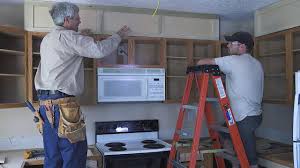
[(140, 24), (90, 18), (12, 68), (197, 28)]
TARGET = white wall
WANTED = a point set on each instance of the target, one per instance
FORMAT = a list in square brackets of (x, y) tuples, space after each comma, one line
[(17, 130)]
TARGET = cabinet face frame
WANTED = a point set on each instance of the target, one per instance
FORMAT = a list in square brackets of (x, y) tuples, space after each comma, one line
[(287, 69), (189, 59), (15, 97)]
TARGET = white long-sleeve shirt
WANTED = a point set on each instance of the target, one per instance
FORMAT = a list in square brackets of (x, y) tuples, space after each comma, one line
[(62, 51)]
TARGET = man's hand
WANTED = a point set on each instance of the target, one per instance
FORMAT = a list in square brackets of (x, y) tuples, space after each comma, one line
[(86, 32), (124, 31)]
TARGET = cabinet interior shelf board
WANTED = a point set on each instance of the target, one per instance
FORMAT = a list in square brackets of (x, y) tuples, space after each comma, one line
[(13, 75), (275, 75), (173, 76), (172, 57), (272, 54), (18, 53)]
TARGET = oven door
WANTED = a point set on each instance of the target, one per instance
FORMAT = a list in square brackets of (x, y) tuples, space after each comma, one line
[(122, 88), (141, 160)]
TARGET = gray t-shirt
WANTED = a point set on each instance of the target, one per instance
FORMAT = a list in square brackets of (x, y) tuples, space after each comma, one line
[(244, 84)]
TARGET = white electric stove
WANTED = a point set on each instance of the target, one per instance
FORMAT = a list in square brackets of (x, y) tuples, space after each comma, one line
[(133, 144)]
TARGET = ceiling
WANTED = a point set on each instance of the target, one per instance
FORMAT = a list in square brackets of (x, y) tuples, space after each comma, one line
[(231, 9)]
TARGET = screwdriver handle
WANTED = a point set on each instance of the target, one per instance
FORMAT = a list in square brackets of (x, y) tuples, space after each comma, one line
[(30, 106)]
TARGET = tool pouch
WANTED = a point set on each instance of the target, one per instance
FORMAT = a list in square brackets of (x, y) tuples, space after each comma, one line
[(71, 122)]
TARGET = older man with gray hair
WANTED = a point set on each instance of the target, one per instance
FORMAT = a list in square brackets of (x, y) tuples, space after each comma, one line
[(59, 78)]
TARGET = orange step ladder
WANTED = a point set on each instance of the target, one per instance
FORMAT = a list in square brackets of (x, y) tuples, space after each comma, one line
[(201, 74)]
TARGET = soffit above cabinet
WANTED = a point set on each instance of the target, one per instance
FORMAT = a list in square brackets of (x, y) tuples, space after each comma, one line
[(108, 19), (279, 16)]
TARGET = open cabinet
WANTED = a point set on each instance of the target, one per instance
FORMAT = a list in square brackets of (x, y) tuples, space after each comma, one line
[(13, 67), (181, 53), (274, 52), (146, 52)]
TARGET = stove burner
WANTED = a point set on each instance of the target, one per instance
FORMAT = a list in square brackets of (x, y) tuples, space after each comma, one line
[(117, 148), (148, 141), (115, 144), (154, 146)]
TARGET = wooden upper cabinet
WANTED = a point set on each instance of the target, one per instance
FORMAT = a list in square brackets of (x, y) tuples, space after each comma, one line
[(140, 24), (274, 52), (13, 67)]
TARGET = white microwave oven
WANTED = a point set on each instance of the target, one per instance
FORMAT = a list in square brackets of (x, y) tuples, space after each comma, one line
[(131, 84)]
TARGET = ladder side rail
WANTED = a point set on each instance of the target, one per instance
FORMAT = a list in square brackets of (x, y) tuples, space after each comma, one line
[(213, 134), (179, 123), (202, 89), (230, 121)]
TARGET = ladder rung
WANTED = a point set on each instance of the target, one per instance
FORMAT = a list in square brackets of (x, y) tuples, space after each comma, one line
[(212, 151), (185, 133), (213, 100), (177, 164), (219, 128), (195, 106), (190, 107), (229, 157)]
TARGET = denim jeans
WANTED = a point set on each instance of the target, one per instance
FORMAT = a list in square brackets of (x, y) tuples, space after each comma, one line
[(247, 129), (59, 152)]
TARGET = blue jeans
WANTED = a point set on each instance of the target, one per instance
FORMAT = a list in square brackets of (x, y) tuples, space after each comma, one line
[(247, 129), (59, 152)]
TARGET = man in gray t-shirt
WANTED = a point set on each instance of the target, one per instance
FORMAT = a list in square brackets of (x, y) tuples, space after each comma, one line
[(244, 86)]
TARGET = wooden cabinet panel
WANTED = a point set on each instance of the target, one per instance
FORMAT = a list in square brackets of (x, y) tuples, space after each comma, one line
[(42, 18), (140, 24), (198, 28), (42, 21), (276, 17)]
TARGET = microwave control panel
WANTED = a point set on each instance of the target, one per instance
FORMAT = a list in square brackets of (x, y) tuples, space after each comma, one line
[(156, 88)]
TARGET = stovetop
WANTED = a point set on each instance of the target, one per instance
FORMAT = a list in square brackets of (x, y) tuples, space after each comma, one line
[(133, 147)]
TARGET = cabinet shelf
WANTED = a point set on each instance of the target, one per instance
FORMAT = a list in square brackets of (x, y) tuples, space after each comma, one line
[(173, 76), (173, 57), (267, 100), (88, 69), (275, 75), (17, 53), (272, 54), (12, 75)]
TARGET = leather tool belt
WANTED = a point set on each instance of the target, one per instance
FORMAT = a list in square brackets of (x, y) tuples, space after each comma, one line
[(71, 122)]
